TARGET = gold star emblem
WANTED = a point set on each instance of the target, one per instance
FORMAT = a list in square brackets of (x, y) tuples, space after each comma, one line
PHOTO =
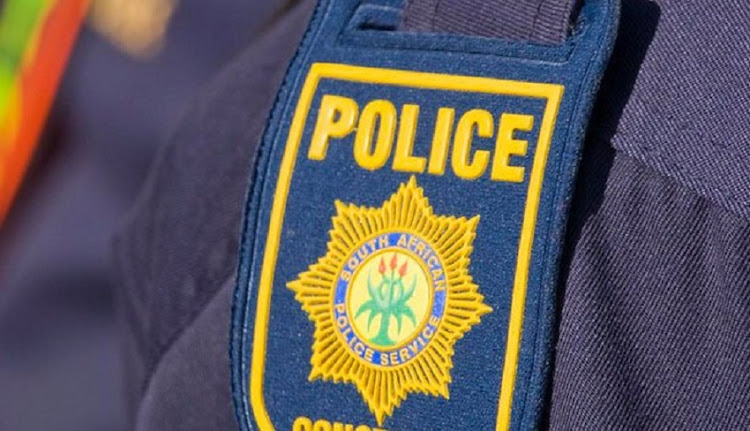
[(390, 299)]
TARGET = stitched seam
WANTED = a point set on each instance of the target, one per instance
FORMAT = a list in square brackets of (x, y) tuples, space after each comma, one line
[(434, 15), (545, 252), (651, 162), (533, 33), (260, 173)]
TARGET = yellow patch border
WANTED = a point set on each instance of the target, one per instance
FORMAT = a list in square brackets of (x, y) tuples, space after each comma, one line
[(425, 80)]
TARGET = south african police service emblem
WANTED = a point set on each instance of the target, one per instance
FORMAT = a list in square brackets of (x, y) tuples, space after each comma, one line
[(390, 298), (397, 258)]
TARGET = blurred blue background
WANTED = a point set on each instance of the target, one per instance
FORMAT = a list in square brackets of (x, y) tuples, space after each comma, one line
[(135, 67)]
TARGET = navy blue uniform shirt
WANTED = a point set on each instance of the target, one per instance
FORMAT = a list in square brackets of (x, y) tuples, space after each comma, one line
[(655, 293)]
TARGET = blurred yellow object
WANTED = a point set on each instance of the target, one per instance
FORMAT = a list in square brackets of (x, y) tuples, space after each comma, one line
[(135, 26), (10, 118)]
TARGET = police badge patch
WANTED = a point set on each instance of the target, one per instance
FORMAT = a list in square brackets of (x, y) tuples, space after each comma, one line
[(390, 298), (402, 236)]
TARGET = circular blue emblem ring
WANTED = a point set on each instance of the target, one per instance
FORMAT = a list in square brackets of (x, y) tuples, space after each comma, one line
[(390, 298)]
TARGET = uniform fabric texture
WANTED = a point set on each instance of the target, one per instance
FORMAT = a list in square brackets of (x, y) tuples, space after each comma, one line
[(179, 246), (536, 21), (656, 305), (654, 328)]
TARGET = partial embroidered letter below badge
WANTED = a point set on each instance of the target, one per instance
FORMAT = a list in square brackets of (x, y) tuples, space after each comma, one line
[(390, 298)]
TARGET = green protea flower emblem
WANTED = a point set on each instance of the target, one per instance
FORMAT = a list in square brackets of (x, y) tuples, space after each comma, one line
[(389, 300)]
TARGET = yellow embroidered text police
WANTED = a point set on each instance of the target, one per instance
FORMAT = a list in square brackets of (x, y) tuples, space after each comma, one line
[(380, 131)]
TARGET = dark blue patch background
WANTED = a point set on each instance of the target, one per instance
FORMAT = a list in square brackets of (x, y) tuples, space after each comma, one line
[(314, 188), (335, 36)]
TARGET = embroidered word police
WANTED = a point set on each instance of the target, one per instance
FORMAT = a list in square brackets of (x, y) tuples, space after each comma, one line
[(375, 130)]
